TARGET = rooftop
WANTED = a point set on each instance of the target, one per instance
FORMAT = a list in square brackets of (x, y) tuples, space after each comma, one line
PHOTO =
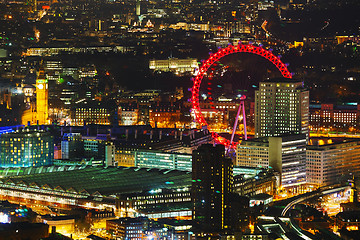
[(95, 181)]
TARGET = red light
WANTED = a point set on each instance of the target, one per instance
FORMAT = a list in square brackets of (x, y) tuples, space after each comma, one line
[(216, 57)]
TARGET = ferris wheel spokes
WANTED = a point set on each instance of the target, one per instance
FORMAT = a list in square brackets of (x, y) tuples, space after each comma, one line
[(241, 107)]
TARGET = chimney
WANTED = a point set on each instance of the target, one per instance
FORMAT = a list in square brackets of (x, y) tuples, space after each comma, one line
[(136, 133), (151, 134), (160, 134), (127, 134)]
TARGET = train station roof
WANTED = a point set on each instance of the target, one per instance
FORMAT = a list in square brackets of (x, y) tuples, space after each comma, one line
[(94, 181)]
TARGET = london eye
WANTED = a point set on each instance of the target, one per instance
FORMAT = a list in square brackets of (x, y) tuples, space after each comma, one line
[(209, 69)]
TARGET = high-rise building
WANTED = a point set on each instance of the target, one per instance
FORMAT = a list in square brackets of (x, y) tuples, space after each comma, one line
[(26, 148), (212, 178), (42, 98), (281, 107), (286, 154)]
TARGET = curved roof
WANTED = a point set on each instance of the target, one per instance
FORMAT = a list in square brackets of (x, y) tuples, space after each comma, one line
[(98, 181)]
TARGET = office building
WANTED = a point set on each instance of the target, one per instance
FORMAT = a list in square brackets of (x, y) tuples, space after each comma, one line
[(160, 159), (212, 182), (92, 113), (285, 154), (101, 151), (281, 107), (26, 148), (71, 146), (329, 161)]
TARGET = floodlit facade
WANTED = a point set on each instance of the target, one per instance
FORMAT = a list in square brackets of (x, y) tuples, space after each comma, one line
[(281, 107), (329, 163), (26, 149), (42, 99), (91, 114), (178, 66)]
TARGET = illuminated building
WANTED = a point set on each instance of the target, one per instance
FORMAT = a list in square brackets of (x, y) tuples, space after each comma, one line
[(264, 182), (212, 178), (42, 99), (87, 187), (162, 203), (37, 113), (91, 114), (139, 228), (231, 27), (218, 113), (26, 148), (281, 106), (342, 39), (285, 154), (125, 157), (63, 224), (178, 66), (159, 159), (52, 51), (102, 151), (164, 116), (331, 162), (138, 9), (336, 117), (128, 115), (71, 146)]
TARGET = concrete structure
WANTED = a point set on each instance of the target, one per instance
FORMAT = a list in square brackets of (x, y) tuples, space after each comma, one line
[(159, 159), (286, 154), (281, 107), (212, 185), (26, 148), (93, 113), (334, 117), (71, 146), (329, 163)]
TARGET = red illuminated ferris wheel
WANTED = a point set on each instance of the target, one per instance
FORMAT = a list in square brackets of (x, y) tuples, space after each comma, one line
[(240, 48)]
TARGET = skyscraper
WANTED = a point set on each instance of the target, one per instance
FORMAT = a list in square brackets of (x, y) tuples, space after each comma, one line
[(42, 102), (281, 107), (212, 176)]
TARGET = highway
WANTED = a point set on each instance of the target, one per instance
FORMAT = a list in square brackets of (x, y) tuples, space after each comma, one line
[(285, 227)]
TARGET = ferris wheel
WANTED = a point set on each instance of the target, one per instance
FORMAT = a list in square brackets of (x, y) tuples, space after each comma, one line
[(203, 71)]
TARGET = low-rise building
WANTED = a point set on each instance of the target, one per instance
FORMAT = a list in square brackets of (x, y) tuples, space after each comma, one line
[(328, 162)]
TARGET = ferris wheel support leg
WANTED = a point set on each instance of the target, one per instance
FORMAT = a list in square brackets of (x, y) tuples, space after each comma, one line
[(235, 123), (244, 120)]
